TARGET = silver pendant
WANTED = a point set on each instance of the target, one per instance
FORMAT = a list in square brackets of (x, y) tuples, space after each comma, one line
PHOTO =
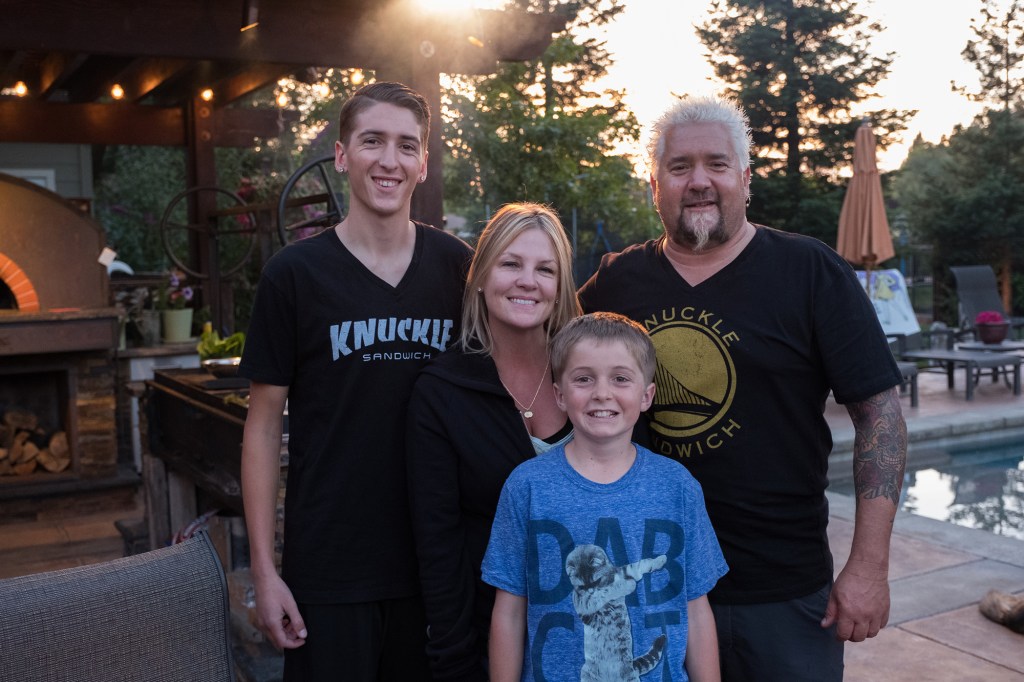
[(528, 414)]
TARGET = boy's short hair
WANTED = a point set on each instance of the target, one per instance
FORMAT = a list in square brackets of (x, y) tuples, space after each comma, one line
[(604, 327), (383, 92)]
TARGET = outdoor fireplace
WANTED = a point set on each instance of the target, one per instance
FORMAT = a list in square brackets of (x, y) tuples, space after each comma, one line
[(56, 419), (58, 335)]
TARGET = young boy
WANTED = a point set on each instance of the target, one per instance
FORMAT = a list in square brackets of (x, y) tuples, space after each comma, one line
[(602, 551)]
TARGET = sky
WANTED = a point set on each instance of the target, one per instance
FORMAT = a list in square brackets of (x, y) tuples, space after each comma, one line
[(657, 54)]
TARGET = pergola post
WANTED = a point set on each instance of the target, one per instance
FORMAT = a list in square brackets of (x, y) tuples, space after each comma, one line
[(201, 171)]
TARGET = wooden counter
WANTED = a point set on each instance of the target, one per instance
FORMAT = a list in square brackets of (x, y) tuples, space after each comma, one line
[(194, 458)]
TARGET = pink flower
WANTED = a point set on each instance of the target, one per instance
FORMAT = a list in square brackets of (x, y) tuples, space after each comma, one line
[(989, 317)]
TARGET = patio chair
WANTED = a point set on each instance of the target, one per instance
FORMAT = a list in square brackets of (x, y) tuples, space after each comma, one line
[(160, 615), (976, 291), (908, 370), (913, 348)]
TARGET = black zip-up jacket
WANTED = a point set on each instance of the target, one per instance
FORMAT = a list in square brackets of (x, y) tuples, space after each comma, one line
[(464, 437)]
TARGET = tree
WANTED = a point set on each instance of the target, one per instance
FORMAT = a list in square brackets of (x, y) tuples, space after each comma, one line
[(537, 131), (997, 54), (798, 67), (980, 220)]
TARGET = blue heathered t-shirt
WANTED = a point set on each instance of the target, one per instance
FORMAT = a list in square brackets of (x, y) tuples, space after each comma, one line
[(607, 569)]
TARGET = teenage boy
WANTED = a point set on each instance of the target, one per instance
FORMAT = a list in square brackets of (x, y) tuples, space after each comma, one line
[(601, 551), (341, 325)]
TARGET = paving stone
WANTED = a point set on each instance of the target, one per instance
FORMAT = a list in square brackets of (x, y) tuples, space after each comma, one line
[(897, 655), (967, 630)]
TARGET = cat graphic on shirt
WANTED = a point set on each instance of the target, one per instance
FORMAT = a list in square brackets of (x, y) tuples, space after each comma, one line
[(599, 596)]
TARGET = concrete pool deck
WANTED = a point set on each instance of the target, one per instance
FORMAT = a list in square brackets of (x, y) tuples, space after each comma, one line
[(938, 571)]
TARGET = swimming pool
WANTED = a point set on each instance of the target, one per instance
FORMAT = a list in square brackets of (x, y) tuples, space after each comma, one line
[(977, 487)]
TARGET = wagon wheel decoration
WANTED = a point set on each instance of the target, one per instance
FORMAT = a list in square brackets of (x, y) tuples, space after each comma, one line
[(311, 201), (231, 227)]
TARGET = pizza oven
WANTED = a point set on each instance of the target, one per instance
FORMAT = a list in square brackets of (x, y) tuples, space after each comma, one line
[(58, 337)]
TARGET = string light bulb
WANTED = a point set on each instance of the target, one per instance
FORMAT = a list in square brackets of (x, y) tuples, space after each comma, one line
[(206, 95), (282, 99), (116, 91), (20, 89), (357, 76)]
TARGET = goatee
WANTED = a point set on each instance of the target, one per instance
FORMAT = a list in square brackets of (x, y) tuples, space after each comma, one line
[(700, 230)]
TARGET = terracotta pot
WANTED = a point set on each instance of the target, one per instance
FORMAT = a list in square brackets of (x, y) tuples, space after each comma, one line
[(992, 332)]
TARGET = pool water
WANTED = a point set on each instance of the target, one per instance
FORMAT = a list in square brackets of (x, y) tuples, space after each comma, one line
[(978, 488)]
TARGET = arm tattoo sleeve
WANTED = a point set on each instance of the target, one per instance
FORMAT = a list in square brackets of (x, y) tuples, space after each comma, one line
[(880, 446)]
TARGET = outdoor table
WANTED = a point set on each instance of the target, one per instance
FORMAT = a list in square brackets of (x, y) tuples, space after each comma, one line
[(1001, 347)]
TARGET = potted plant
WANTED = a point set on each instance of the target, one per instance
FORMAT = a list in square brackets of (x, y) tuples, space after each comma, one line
[(220, 357), (131, 306), (992, 326), (172, 300)]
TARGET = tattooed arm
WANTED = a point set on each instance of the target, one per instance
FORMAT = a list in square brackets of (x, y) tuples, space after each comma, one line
[(859, 603)]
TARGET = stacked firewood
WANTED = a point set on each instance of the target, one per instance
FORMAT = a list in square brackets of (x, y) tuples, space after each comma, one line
[(25, 447)]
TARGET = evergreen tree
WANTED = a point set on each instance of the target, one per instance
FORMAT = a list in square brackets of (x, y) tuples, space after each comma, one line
[(797, 67), (997, 52)]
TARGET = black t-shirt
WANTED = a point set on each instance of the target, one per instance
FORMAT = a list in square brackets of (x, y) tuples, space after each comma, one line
[(349, 345), (746, 360)]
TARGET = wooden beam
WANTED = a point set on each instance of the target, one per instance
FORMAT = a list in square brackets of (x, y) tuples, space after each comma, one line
[(11, 66), (94, 78), (422, 75), (55, 69), (352, 33), (249, 80), (143, 76), (201, 171), (241, 127), (30, 121), (302, 32), (124, 123)]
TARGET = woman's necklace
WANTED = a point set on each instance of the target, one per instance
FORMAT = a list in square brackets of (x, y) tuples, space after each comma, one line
[(527, 410)]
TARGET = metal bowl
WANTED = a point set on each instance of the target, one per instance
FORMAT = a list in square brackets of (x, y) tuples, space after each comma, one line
[(222, 367)]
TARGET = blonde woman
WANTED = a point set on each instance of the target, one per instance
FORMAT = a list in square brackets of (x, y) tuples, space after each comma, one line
[(479, 410)]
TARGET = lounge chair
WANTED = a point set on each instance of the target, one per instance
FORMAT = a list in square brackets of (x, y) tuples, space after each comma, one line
[(977, 291), (946, 358), (160, 615)]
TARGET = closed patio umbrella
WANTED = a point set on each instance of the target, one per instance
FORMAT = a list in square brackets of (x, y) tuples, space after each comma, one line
[(864, 238)]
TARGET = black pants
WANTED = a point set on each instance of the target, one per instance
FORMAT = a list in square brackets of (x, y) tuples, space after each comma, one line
[(778, 641), (380, 641)]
